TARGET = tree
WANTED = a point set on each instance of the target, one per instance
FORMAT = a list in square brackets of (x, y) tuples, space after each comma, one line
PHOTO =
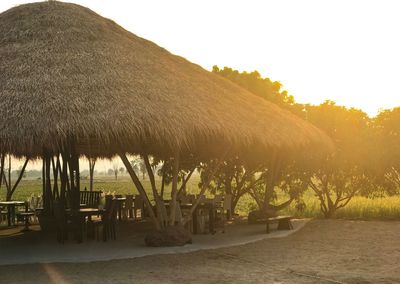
[(162, 219), (233, 178), (281, 177), (262, 87), (122, 170), (115, 171), (261, 181), (110, 172), (139, 167), (186, 169), (343, 174), (5, 175), (386, 127)]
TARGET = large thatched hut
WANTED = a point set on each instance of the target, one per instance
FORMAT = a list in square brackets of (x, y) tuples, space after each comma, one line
[(75, 83)]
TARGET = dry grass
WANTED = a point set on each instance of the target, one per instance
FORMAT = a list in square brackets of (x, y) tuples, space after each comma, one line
[(358, 208), (67, 72)]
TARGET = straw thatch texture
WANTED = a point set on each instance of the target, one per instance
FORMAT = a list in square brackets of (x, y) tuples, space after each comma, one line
[(68, 72)]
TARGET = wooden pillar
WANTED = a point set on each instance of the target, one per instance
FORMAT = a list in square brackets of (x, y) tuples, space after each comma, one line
[(141, 190), (47, 189), (174, 192), (2, 160), (44, 182), (92, 163), (64, 180), (73, 163)]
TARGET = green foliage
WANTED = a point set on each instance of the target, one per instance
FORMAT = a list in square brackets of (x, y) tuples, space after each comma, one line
[(386, 154), (344, 173), (263, 87), (139, 167), (233, 178), (386, 207)]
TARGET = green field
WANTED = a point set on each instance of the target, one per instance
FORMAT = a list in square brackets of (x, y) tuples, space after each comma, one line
[(358, 208)]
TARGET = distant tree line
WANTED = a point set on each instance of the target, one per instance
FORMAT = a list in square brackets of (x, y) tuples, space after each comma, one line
[(366, 159)]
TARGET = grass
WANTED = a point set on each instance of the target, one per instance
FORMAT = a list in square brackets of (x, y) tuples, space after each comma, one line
[(358, 208)]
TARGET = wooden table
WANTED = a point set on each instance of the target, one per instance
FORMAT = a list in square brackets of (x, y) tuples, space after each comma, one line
[(205, 206), (284, 222), (11, 210), (81, 215)]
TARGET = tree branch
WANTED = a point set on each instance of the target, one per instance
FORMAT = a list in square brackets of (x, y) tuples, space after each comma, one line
[(185, 180), (19, 177)]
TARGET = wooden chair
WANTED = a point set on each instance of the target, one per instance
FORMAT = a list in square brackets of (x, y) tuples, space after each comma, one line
[(3, 214), (128, 209), (191, 198), (108, 199), (228, 206), (90, 198), (63, 223), (218, 198), (138, 205), (219, 214), (108, 221), (202, 221), (25, 216)]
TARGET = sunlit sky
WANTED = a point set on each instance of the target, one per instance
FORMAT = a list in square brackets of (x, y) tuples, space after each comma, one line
[(346, 51)]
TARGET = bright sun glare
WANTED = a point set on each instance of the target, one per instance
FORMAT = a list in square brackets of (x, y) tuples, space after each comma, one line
[(346, 51)]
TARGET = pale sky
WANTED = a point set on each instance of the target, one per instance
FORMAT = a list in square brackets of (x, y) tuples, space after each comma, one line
[(346, 51)]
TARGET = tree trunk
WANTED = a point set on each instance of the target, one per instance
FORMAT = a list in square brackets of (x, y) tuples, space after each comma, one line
[(234, 203), (329, 213), (174, 192), (162, 183), (12, 189), (141, 190), (160, 206)]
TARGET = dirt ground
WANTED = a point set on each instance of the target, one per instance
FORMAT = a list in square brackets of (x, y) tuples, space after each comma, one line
[(324, 251)]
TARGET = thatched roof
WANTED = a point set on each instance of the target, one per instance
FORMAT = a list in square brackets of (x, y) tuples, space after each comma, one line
[(68, 72)]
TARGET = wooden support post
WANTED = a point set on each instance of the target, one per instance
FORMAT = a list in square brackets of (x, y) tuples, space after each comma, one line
[(9, 177), (140, 188), (54, 165), (48, 189), (174, 192), (64, 180), (44, 182), (2, 159), (75, 180), (92, 163), (160, 206)]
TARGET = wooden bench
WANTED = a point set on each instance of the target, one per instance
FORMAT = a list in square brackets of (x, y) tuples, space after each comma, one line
[(284, 222), (90, 198)]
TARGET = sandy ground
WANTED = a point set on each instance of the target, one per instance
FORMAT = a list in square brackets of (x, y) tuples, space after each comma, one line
[(334, 251), (38, 247)]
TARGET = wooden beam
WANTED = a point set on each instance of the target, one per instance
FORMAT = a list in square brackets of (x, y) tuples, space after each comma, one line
[(160, 206), (174, 191), (19, 178), (140, 188), (2, 157)]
